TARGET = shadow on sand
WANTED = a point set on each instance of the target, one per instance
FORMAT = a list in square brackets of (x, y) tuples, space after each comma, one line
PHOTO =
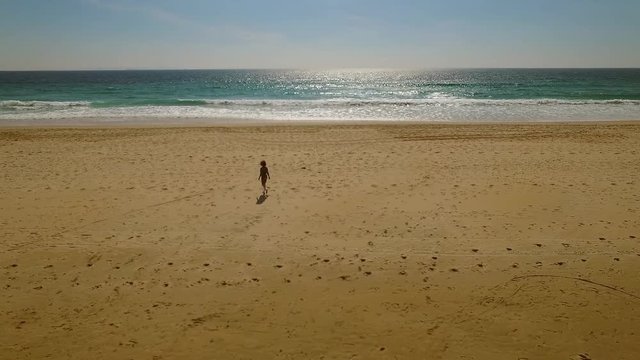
[(261, 199)]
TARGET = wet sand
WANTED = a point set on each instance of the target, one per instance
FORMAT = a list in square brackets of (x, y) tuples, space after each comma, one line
[(376, 241)]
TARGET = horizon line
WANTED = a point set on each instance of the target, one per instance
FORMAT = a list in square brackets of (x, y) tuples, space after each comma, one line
[(327, 69)]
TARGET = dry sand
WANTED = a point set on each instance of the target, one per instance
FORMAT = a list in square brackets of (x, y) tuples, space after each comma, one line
[(376, 241)]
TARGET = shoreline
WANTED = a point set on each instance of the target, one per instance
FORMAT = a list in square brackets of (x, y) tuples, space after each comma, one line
[(207, 122)]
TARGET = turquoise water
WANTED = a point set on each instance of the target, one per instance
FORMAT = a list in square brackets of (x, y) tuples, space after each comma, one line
[(438, 95)]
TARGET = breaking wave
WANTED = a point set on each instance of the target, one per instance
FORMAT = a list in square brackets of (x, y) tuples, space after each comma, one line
[(345, 109), (40, 105)]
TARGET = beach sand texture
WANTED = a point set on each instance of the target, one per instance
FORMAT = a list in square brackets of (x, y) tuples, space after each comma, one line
[(376, 241)]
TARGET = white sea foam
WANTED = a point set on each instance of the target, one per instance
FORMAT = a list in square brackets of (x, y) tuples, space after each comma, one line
[(430, 109), (38, 105)]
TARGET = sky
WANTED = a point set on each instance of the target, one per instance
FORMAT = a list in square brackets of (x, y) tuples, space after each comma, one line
[(251, 34)]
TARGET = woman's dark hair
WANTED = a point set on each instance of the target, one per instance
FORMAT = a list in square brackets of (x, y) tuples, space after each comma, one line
[(263, 163)]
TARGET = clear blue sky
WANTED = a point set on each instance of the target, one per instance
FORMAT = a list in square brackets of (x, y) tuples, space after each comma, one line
[(158, 34)]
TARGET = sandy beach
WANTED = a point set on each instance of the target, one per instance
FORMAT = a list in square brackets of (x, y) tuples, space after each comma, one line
[(510, 241)]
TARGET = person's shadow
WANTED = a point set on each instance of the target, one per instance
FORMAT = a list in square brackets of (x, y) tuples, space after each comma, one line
[(261, 199)]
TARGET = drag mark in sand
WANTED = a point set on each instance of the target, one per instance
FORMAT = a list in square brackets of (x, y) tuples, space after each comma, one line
[(121, 215), (137, 210), (577, 279)]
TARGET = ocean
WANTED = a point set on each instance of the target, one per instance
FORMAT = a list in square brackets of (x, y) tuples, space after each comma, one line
[(457, 95)]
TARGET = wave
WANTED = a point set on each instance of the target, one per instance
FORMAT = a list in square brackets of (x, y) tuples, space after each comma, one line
[(40, 105), (37, 105), (416, 102), (147, 102)]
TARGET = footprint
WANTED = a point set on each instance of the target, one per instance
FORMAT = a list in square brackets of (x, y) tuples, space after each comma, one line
[(583, 356), (93, 259)]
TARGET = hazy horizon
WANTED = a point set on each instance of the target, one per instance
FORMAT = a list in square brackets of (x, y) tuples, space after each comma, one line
[(350, 69), (317, 35)]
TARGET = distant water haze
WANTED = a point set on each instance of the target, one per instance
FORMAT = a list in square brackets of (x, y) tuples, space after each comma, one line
[(263, 95)]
